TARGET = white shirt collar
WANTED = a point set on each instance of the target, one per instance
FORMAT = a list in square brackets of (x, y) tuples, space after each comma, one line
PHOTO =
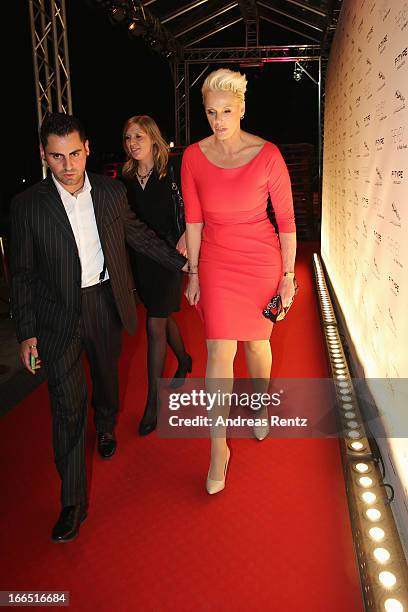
[(64, 192)]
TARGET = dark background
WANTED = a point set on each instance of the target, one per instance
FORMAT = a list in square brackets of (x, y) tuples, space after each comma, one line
[(115, 76)]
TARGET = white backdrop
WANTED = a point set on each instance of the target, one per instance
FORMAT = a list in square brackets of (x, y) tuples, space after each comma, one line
[(365, 203)]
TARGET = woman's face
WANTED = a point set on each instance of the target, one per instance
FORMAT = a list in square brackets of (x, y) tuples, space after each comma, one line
[(223, 110), (138, 143)]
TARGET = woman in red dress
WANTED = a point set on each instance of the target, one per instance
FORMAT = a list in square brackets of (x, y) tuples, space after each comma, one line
[(236, 259)]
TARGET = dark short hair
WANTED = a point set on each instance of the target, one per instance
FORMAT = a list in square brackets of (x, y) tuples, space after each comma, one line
[(60, 124)]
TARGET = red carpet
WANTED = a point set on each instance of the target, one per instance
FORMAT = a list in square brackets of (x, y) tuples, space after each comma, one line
[(278, 537)]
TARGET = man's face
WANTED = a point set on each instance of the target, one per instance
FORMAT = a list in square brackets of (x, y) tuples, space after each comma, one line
[(66, 157)]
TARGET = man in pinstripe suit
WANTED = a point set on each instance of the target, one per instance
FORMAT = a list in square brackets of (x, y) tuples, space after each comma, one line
[(71, 291)]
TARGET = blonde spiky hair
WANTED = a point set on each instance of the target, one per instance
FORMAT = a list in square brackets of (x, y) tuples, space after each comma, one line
[(226, 80)]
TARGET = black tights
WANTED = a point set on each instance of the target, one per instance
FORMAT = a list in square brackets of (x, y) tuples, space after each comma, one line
[(160, 331)]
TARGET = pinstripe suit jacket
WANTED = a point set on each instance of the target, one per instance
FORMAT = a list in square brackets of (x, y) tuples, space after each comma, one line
[(45, 265)]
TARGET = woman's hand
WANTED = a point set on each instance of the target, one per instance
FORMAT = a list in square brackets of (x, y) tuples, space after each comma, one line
[(192, 292), (181, 245), (286, 290)]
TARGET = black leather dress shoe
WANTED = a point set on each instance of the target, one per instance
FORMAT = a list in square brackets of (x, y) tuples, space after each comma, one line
[(69, 521), (106, 445), (181, 373)]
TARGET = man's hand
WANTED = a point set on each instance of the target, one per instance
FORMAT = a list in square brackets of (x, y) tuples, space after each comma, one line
[(181, 245), (29, 347)]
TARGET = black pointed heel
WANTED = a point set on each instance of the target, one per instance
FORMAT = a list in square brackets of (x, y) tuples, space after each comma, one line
[(181, 373)]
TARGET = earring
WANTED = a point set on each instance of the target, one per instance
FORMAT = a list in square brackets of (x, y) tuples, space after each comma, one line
[(243, 115)]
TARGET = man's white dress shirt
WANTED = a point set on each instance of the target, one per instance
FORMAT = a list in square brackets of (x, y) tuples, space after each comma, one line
[(81, 215)]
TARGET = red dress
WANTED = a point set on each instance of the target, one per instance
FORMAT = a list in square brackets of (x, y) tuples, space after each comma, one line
[(240, 263)]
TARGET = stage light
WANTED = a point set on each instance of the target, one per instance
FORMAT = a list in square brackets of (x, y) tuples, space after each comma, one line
[(349, 415), (357, 446), (171, 144), (118, 13), (136, 27), (376, 533), (362, 467), (387, 579), (297, 73), (373, 514), (393, 605), (368, 497), (381, 554)]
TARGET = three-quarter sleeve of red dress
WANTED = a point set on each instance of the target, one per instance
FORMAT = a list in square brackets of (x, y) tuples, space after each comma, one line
[(192, 206), (280, 190)]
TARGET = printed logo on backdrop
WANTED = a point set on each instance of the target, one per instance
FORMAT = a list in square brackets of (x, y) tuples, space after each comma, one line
[(365, 203), (393, 285), (393, 246), (369, 35), (381, 81), (382, 45), (368, 90), (397, 176), (401, 18), (380, 110), (379, 143), (360, 55), (365, 173), (384, 9), (359, 77), (377, 237), (366, 149), (395, 216), (391, 321), (400, 60), (398, 137), (375, 269), (379, 177), (369, 66), (399, 101), (360, 26), (367, 120), (377, 206)]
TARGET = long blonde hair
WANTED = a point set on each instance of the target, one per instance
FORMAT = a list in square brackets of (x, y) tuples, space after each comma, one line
[(160, 146)]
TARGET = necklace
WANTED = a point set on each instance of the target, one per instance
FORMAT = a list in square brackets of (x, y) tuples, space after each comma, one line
[(143, 177)]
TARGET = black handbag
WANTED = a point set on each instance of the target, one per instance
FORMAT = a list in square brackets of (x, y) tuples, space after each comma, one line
[(274, 311), (178, 206)]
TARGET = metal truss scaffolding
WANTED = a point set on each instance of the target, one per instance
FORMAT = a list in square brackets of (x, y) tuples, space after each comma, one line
[(50, 57), (226, 55)]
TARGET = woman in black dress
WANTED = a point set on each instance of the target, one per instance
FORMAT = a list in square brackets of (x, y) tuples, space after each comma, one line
[(146, 175)]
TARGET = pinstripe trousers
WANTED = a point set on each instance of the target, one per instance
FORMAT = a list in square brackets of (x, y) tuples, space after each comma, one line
[(99, 335)]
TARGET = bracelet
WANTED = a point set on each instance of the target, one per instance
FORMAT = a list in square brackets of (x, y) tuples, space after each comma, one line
[(192, 272)]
